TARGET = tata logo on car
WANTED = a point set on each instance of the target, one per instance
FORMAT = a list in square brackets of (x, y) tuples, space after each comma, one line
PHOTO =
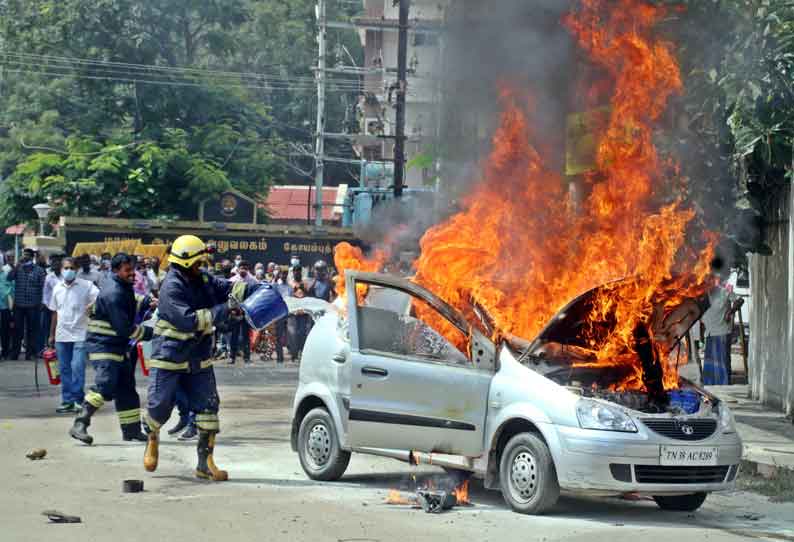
[(688, 430)]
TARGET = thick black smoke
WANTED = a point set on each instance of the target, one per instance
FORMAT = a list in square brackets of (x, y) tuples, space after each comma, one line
[(492, 44), (485, 46)]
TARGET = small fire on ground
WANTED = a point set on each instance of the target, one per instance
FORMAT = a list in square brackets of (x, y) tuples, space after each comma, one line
[(403, 498)]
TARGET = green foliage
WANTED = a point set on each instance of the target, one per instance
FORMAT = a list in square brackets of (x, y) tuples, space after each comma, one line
[(104, 142), (738, 134), (425, 160)]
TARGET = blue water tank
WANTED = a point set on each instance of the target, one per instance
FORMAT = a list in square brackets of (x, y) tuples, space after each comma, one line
[(362, 208)]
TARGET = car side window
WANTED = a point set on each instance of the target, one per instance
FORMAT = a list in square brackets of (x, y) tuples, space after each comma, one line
[(392, 322)]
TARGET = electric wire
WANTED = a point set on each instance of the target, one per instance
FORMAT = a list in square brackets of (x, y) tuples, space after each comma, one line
[(150, 74), (271, 87), (137, 70)]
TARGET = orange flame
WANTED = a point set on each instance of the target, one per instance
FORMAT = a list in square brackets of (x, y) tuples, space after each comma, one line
[(397, 498), (350, 258), (462, 493), (521, 247)]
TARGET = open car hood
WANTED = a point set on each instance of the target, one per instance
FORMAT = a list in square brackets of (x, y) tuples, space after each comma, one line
[(668, 323)]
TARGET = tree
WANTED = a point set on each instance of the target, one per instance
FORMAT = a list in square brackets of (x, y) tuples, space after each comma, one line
[(739, 131), (134, 108)]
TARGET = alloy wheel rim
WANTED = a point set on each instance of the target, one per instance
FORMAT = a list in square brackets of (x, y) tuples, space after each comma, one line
[(524, 476), (318, 446)]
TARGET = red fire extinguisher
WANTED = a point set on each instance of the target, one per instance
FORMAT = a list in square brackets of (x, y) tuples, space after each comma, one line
[(144, 368), (51, 362)]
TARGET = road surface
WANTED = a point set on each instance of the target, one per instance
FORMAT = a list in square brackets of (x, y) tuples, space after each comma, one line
[(269, 497)]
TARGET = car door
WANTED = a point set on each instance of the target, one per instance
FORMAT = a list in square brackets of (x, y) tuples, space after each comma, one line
[(411, 387)]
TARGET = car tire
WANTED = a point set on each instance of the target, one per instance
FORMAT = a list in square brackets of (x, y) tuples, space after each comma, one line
[(527, 475), (681, 503), (319, 451)]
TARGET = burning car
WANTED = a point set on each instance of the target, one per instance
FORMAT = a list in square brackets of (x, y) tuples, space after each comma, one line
[(532, 418)]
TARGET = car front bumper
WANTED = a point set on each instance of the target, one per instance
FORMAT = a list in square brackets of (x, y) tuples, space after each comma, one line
[(610, 462)]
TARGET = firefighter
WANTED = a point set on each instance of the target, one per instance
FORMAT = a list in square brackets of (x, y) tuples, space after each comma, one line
[(110, 330), (192, 304)]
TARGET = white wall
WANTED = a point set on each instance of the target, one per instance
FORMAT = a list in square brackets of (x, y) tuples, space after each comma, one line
[(771, 320)]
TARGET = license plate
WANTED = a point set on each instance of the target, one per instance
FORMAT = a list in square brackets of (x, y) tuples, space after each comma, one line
[(689, 455)]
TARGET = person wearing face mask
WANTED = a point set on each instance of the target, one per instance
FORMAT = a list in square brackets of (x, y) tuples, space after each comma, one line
[(240, 331), (6, 300), (28, 292), (85, 272), (70, 302), (105, 274), (51, 280), (110, 330), (192, 305), (284, 290)]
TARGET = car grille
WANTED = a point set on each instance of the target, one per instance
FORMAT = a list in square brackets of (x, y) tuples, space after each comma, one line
[(654, 474), (682, 429)]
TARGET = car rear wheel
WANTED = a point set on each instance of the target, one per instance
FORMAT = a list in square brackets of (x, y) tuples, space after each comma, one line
[(681, 503), (318, 447), (527, 475)]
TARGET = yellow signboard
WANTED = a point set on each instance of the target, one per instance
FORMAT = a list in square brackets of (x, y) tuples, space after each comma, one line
[(584, 131)]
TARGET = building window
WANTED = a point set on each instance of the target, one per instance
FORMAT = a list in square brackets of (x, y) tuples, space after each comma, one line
[(425, 39)]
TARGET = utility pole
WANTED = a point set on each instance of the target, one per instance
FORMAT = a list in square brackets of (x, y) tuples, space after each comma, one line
[(319, 151), (402, 90)]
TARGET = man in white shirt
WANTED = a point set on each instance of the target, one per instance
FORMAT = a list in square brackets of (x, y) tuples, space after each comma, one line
[(718, 321), (70, 302), (53, 277)]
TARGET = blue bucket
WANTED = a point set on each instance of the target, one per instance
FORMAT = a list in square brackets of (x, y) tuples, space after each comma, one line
[(686, 400), (264, 307)]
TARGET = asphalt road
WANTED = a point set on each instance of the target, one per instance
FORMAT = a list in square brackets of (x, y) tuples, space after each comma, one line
[(269, 497)]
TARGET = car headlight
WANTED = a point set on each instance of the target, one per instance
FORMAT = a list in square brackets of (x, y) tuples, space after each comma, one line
[(727, 423), (600, 416)]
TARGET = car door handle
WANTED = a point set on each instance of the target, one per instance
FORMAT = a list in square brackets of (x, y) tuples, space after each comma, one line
[(374, 371), (339, 358)]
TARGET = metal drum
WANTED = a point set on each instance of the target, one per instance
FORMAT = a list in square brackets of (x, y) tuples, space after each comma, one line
[(264, 307)]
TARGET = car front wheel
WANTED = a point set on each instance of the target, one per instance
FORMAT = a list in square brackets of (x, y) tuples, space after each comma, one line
[(527, 475), (318, 447), (681, 503)]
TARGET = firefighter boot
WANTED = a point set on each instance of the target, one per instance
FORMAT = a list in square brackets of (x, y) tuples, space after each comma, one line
[(132, 432), (79, 429), (151, 455), (206, 467)]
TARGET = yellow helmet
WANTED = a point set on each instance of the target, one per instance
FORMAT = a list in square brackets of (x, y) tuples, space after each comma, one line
[(187, 250)]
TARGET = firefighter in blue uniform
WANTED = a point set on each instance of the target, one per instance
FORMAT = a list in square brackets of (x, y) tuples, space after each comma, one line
[(192, 304), (110, 330)]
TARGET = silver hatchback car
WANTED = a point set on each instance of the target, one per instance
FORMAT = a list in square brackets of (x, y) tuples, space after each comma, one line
[(530, 418)]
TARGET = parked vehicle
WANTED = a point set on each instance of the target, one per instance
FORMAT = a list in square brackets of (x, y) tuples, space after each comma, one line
[(524, 416)]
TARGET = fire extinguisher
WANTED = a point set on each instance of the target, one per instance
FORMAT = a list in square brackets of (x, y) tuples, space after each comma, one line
[(142, 359), (51, 362)]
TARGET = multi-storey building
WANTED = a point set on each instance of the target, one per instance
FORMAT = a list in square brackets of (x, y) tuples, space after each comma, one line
[(378, 29)]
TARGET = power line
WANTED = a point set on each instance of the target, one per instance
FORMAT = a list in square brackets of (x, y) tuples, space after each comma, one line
[(137, 70), (142, 67), (126, 79), (150, 74)]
